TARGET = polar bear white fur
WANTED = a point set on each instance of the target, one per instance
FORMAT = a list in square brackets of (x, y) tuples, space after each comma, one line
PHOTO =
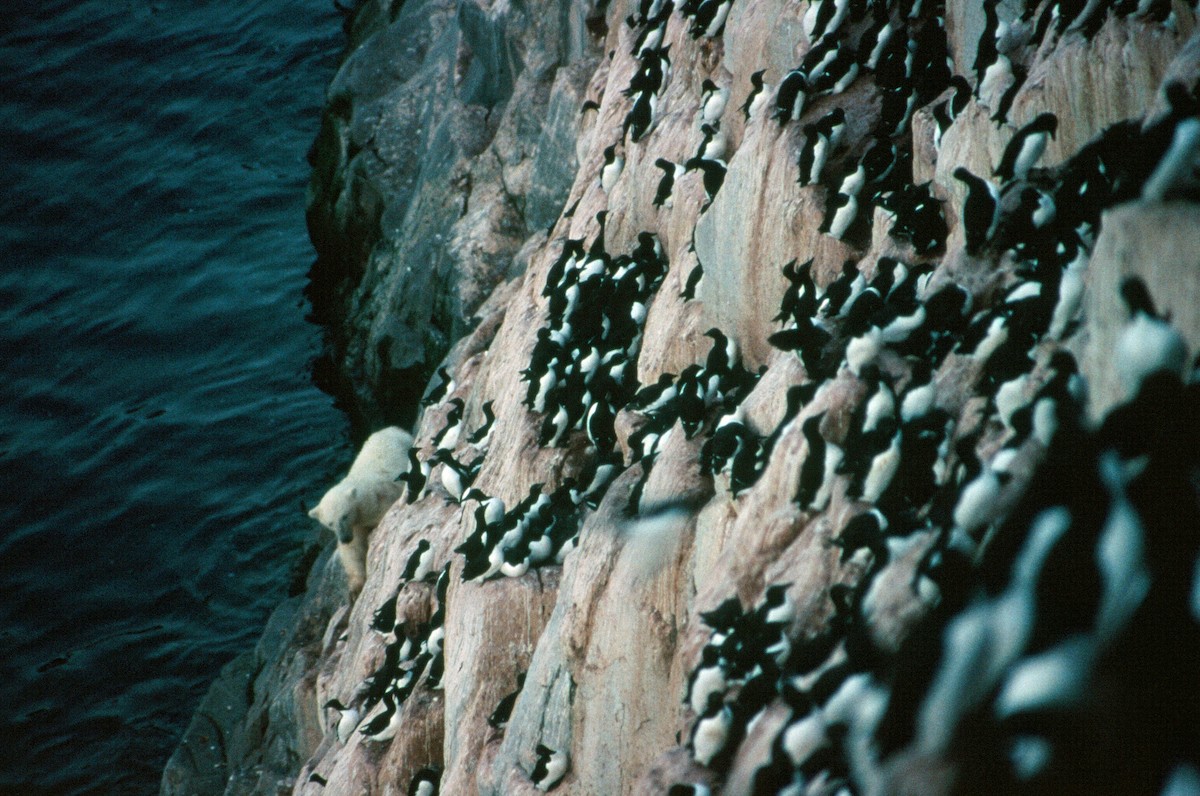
[(353, 508)]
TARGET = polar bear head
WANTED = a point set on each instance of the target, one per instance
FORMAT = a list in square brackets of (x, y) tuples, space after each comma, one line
[(338, 510), (355, 506)]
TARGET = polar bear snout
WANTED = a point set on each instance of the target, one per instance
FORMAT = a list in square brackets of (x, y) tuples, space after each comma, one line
[(345, 530)]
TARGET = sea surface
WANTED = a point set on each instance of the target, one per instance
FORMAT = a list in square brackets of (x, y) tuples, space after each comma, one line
[(159, 425)]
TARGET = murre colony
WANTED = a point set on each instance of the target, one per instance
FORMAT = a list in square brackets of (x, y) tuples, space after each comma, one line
[(1009, 594)]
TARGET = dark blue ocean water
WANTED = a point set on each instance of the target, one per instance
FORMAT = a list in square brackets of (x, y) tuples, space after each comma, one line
[(159, 426)]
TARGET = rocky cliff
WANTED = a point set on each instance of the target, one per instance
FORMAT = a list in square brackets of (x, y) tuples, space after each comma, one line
[(834, 448)]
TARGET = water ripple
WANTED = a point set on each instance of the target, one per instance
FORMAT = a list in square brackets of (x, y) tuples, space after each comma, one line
[(158, 423)]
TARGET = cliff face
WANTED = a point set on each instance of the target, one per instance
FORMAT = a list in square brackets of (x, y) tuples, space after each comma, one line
[(908, 660), (448, 141)]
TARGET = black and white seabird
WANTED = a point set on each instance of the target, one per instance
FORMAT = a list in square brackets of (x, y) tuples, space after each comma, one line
[(348, 719), (714, 176), (504, 707), (840, 213), (712, 146), (438, 391), (689, 789), (447, 438), (980, 210), (456, 477), (599, 426), (1175, 177), (945, 112), (426, 782), (896, 110), (480, 436), (791, 96), (420, 564), (879, 406), (723, 355), (919, 395), (1070, 297), (385, 724), (800, 298), (836, 75), (808, 340), (710, 734), (641, 115), (820, 467), (711, 17), (993, 69), (882, 470), (977, 501), (650, 39), (828, 132), (1148, 343), (813, 154), (709, 678), (842, 291), (865, 530), (384, 618), (555, 427), (614, 164), (415, 476), (712, 101), (824, 17), (549, 769), (777, 607), (666, 186), (875, 39), (1026, 148), (756, 97), (879, 161)]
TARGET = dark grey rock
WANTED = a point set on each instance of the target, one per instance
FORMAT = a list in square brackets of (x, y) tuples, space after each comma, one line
[(259, 720), (402, 160)]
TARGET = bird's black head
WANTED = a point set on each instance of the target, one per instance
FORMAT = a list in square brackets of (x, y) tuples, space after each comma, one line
[(922, 371), (1137, 296), (801, 394), (1046, 122), (775, 594), (870, 373), (1063, 361), (1182, 99)]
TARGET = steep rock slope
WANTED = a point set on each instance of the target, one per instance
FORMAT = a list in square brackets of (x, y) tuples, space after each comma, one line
[(788, 586), (448, 141)]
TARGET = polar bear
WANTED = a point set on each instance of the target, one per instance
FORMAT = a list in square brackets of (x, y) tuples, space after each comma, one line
[(355, 506)]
